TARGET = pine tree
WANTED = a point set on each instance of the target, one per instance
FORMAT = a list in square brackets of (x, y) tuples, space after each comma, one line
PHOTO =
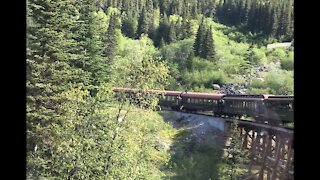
[(248, 64), (91, 41), (275, 21), (199, 40), (237, 156), (172, 33), (111, 39), (162, 43), (150, 18), (194, 11), (178, 28), (208, 48), (163, 5), (52, 68), (143, 23), (189, 64), (163, 30), (128, 28)]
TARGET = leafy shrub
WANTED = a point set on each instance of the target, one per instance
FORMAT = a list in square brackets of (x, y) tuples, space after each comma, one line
[(275, 54), (204, 78), (200, 64), (288, 61), (287, 64), (258, 91), (258, 83), (259, 57), (280, 82), (178, 52)]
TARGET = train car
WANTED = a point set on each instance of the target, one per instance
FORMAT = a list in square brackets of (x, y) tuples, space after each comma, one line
[(240, 105), (271, 109), (202, 101), (170, 99), (279, 109)]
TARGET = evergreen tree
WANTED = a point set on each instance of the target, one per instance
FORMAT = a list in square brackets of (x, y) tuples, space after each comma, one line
[(51, 70), (111, 39), (143, 23), (188, 28), (208, 48), (178, 29), (163, 5), (275, 21), (189, 64), (199, 40), (194, 11), (91, 41), (163, 30), (150, 18), (162, 43), (248, 64), (237, 156), (128, 28), (172, 33)]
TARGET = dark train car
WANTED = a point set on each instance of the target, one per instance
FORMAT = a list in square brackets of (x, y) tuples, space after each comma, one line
[(170, 99), (271, 109), (279, 109), (202, 101), (240, 105)]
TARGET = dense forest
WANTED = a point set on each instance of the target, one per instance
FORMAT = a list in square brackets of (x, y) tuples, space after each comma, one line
[(77, 51)]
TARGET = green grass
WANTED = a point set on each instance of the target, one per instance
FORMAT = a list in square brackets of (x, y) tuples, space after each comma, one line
[(231, 48)]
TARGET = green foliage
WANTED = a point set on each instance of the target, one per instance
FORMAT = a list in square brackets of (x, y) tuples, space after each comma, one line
[(143, 23), (76, 129), (93, 130), (287, 62), (203, 64), (230, 58), (208, 47), (135, 50), (204, 78), (276, 54), (111, 39), (236, 157), (280, 82), (178, 52), (258, 91), (192, 160), (259, 56), (172, 33), (54, 62), (76, 53), (199, 40), (129, 27)]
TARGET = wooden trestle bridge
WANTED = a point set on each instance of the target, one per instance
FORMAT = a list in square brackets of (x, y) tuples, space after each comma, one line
[(270, 151)]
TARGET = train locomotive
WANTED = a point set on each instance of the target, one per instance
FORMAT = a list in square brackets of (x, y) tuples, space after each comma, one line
[(274, 110)]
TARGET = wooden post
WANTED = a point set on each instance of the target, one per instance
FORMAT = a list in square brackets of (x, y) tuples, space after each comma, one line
[(284, 173), (264, 156), (255, 142), (245, 139), (277, 158)]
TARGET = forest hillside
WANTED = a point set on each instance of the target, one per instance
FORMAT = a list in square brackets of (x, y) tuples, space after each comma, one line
[(77, 51)]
